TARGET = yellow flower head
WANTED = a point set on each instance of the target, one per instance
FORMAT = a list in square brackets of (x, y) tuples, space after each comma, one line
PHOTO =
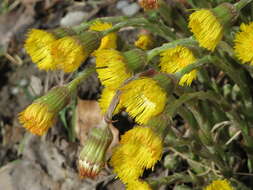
[(143, 99), (123, 163), (144, 41), (110, 40), (68, 53), (140, 148), (144, 146), (206, 28), (41, 114), (37, 118), (219, 185), (175, 59), (105, 100), (244, 43), (138, 184), (115, 71), (38, 46)]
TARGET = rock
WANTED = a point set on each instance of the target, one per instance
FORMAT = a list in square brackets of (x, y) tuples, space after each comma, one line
[(121, 4), (22, 175), (131, 9), (23, 82), (35, 87), (15, 90), (73, 18)]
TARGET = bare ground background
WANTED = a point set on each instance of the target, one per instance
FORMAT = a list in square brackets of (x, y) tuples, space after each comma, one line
[(27, 161)]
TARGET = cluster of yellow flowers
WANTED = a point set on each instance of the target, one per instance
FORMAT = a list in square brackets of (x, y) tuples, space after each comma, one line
[(53, 50), (143, 97), (208, 31)]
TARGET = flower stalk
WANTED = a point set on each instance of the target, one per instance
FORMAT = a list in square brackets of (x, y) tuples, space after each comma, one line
[(199, 63), (241, 4), (80, 77), (189, 42)]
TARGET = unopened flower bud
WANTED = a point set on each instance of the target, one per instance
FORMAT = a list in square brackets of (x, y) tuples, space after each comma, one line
[(92, 156), (149, 4)]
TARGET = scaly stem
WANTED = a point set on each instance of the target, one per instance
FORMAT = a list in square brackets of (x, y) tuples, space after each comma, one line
[(80, 77), (186, 42), (241, 4), (130, 22), (144, 23), (193, 66), (85, 25), (123, 21)]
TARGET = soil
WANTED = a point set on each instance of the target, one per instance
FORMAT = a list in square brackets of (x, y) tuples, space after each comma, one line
[(28, 161)]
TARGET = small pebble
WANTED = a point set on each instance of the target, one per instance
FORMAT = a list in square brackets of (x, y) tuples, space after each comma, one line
[(73, 18), (131, 9), (121, 4), (14, 90), (23, 82)]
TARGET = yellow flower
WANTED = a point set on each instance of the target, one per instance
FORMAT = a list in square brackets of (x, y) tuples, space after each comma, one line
[(124, 165), (38, 46), (144, 146), (105, 100), (41, 115), (144, 41), (140, 148), (143, 99), (206, 28), (175, 59), (115, 71), (110, 40), (244, 43), (68, 53), (37, 118), (219, 185), (138, 184)]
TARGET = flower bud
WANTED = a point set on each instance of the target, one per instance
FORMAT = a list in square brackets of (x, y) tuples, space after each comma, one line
[(144, 41), (149, 4), (92, 156), (136, 59), (42, 113), (159, 124), (109, 41)]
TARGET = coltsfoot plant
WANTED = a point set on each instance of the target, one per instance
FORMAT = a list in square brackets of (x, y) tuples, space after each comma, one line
[(186, 82)]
